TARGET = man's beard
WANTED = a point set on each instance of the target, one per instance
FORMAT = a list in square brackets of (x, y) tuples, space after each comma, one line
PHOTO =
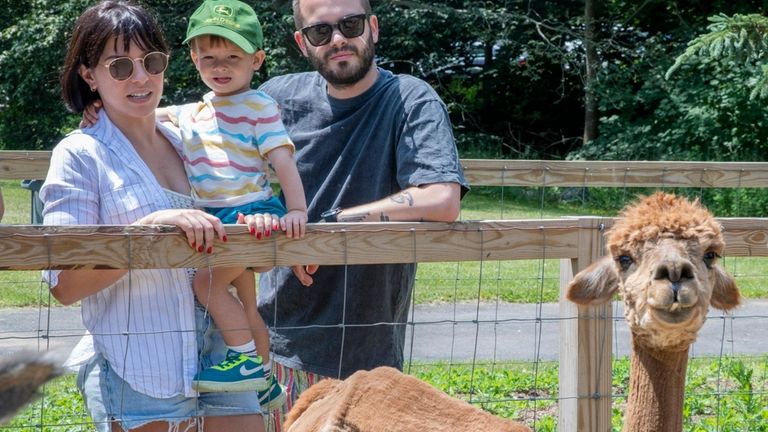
[(348, 74)]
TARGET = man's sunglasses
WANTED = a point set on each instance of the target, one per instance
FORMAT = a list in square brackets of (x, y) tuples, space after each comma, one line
[(122, 68), (350, 27)]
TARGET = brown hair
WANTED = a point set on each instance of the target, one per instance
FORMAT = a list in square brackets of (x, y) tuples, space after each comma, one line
[(214, 40), (298, 20), (93, 29)]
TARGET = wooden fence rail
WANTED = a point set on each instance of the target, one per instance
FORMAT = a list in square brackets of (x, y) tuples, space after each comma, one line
[(585, 332), (31, 247)]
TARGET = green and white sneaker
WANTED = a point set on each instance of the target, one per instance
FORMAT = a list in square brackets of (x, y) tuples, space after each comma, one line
[(274, 397), (237, 373)]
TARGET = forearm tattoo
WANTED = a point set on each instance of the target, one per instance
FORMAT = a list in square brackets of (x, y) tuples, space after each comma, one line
[(403, 197), (355, 217)]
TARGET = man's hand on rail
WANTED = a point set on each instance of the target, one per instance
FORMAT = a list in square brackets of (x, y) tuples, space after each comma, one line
[(304, 273)]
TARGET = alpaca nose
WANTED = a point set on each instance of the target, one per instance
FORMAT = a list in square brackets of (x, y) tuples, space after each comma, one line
[(675, 271)]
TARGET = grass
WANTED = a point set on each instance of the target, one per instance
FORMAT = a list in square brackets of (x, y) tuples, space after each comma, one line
[(17, 202), (60, 408), (722, 394)]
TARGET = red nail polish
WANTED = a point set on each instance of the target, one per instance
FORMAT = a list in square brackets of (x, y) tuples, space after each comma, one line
[(225, 239), (252, 230), (200, 248), (258, 235), (210, 249), (268, 233)]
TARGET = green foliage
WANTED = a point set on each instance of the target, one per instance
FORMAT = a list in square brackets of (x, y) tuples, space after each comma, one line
[(31, 51), (728, 400), (60, 408), (740, 40), (516, 391), (696, 115), (703, 111), (510, 72), (509, 98)]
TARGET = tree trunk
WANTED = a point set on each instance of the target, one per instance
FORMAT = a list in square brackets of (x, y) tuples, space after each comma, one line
[(590, 63)]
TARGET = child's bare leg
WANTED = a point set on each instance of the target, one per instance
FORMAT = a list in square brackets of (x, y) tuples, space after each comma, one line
[(273, 397), (246, 291), (241, 370), (210, 287)]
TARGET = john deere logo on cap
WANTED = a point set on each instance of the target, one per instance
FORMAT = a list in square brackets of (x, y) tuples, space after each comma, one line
[(223, 10)]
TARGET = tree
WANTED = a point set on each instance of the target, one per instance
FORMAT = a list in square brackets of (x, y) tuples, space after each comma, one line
[(590, 74), (742, 39), (31, 50), (702, 112)]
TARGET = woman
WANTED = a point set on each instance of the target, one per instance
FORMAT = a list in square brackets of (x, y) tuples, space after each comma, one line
[(125, 169)]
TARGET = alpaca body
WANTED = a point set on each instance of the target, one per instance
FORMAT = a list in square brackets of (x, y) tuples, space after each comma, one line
[(386, 400)]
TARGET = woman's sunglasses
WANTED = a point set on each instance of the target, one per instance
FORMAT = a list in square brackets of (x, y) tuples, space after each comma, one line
[(122, 68), (321, 34)]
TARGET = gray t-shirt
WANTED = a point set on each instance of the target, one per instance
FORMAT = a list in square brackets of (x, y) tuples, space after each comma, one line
[(350, 152)]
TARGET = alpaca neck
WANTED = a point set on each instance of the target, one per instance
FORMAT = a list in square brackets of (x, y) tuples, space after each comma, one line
[(656, 390)]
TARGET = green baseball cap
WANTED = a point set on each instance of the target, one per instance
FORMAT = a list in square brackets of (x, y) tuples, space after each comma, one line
[(230, 19)]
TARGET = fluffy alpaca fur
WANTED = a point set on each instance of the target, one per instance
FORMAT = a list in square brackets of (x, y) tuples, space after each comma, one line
[(386, 400), (21, 374), (663, 261)]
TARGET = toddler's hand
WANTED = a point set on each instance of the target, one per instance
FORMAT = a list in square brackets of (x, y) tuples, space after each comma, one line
[(260, 225), (90, 114), (294, 223)]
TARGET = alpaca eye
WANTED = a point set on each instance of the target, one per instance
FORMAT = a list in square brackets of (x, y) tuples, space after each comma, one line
[(710, 257), (624, 261)]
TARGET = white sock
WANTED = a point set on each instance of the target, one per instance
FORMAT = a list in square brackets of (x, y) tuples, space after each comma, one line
[(267, 369), (248, 348)]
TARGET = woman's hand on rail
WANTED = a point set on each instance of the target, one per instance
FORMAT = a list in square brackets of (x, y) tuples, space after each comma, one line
[(200, 227)]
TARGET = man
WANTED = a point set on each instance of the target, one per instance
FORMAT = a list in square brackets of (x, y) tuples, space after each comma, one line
[(371, 146)]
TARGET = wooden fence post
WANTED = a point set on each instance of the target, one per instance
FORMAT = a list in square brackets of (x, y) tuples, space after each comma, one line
[(585, 345)]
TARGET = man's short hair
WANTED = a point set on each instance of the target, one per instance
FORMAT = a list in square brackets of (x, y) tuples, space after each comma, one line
[(297, 19)]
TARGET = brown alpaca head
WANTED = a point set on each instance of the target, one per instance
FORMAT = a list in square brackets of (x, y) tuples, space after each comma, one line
[(663, 260)]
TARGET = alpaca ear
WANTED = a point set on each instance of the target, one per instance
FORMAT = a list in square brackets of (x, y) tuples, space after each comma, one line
[(725, 293), (595, 284)]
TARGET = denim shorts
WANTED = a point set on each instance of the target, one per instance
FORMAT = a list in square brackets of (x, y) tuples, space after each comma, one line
[(108, 397), (228, 215)]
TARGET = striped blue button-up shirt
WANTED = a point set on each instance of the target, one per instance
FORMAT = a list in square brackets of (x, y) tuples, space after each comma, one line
[(143, 324)]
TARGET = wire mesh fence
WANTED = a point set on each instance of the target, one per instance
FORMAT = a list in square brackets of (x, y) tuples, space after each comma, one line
[(490, 331)]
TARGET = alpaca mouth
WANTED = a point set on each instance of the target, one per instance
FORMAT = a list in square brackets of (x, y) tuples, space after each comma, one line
[(674, 313)]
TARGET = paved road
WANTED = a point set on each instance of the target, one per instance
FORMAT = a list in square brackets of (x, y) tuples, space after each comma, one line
[(512, 332), (458, 332)]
